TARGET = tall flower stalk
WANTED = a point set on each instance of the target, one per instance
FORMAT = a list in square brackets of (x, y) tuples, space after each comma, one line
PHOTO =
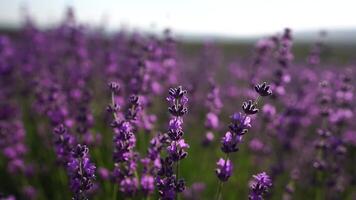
[(168, 182), (238, 127)]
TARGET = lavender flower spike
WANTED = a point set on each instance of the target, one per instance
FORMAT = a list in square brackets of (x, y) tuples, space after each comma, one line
[(81, 171), (168, 182), (259, 186)]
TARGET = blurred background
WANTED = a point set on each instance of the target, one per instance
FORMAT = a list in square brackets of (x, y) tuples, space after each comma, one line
[(196, 20)]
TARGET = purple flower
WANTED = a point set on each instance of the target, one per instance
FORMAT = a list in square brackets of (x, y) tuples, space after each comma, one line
[(147, 184), (167, 183), (263, 89), (124, 156), (81, 172), (104, 173), (195, 191), (224, 169), (30, 192), (259, 185), (230, 141), (212, 121), (239, 124), (176, 150), (209, 137), (166, 187), (129, 186), (249, 107), (64, 143), (178, 100), (268, 111), (256, 145)]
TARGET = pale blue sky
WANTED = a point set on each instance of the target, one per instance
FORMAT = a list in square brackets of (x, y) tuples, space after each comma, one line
[(220, 17)]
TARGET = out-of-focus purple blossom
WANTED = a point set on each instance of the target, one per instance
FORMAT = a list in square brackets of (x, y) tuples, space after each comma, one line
[(29, 192), (268, 112), (350, 137), (284, 54), (10, 197), (212, 121), (209, 137), (194, 192), (104, 173), (256, 145), (214, 105), (64, 143), (129, 185), (12, 143), (147, 184)]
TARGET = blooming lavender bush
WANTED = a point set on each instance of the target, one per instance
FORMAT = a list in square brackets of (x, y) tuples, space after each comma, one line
[(83, 115)]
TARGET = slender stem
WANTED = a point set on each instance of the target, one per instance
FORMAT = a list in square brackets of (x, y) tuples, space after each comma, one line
[(114, 192), (177, 177), (113, 103), (218, 193), (257, 100)]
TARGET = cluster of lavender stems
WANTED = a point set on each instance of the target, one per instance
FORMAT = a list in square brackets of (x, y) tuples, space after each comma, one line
[(52, 85), (124, 156), (238, 127)]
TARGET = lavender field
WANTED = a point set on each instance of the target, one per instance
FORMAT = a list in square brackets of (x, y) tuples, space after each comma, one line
[(86, 114)]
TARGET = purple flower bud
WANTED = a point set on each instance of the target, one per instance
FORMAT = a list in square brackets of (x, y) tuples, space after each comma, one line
[(229, 142), (249, 108), (114, 87), (224, 169), (263, 89)]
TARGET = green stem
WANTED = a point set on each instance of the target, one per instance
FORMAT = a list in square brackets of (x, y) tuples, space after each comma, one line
[(257, 100), (218, 193), (114, 192), (177, 173), (320, 190)]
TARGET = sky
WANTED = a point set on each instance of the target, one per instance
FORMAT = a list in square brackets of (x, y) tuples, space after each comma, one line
[(219, 17)]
